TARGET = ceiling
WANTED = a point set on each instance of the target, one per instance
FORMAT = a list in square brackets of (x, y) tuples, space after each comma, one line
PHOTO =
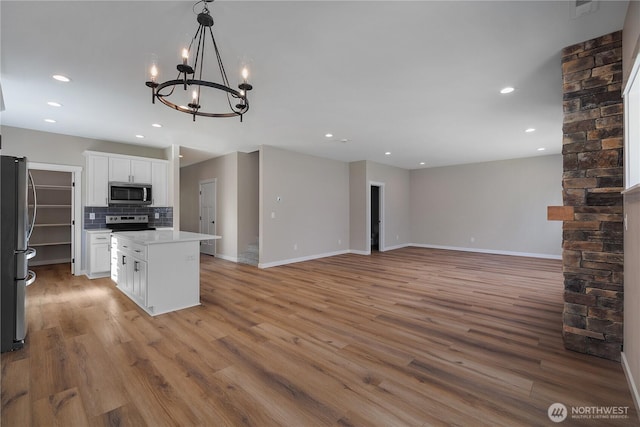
[(418, 79)]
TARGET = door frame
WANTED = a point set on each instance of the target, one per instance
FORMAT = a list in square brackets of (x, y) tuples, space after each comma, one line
[(213, 181), (381, 245), (76, 209)]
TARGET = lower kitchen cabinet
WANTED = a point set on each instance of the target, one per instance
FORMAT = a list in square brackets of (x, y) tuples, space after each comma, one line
[(99, 253)]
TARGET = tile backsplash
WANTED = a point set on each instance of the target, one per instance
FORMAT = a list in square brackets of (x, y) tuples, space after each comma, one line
[(165, 215)]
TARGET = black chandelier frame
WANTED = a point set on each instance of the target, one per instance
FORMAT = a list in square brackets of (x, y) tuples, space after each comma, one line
[(186, 75)]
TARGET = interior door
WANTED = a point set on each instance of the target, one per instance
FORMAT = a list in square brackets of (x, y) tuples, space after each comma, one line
[(208, 215)]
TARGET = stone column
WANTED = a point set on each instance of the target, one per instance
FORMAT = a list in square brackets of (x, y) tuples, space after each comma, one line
[(592, 238)]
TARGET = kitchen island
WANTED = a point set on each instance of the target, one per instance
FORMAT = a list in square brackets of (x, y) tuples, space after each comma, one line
[(158, 270)]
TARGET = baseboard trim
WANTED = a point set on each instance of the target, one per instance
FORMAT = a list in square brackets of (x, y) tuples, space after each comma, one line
[(632, 384), (391, 248), (301, 259), (358, 252), (226, 257), (488, 251)]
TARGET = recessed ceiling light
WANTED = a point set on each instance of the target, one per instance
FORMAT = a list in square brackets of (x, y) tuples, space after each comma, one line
[(529, 130), (156, 125), (139, 136), (507, 89), (541, 149), (54, 104), (328, 135), (61, 78), (49, 120), (180, 155), (388, 153), (421, 163), (344, 140)]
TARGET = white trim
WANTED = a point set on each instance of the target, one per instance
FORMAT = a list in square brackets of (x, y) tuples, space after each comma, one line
[(487, 251), (76, 171), (358, 252), (301, 259), (213, 181), (633, 76), (400, 246), (381, 229), (632, 384), (226, 257)]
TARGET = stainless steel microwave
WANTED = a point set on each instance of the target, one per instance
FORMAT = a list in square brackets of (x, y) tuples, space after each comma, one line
[(128, 193)]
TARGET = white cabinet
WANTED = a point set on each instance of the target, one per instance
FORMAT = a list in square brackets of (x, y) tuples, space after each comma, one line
[(139, 280), (159, 183), (129, 170), (158, 270), (104, 167), (99, 261), (97, 177), (129, 269)]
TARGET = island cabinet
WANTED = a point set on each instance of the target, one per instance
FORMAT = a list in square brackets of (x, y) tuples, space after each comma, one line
[(158, 270)]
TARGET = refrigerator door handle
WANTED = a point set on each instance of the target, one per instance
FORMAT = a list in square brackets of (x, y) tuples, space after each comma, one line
[(31, 252), (35, 206), (31, 277)]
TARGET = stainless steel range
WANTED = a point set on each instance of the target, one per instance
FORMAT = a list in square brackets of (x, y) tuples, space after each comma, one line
[(128, 222)]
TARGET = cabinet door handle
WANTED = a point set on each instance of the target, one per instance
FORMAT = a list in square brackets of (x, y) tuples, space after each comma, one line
[(137, 250), (135, 266), (123, 261), (125, 246)]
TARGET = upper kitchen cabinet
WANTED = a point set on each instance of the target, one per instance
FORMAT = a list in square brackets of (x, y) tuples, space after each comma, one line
[(129, 170), (97, 177), (103, 168)]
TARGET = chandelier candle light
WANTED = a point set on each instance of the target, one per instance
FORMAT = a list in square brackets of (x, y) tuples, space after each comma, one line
[(237, 99)]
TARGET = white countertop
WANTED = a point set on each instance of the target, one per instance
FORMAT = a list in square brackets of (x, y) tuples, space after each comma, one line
[(98, 230), (152, 237)]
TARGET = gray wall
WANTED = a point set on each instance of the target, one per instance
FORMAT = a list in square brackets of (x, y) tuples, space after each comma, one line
[(248, 200), (501, 206), (312, 215), (225, 170), (54, 148), (358, 196)]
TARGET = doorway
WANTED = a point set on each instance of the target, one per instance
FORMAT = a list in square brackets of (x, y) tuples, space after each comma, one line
[(56, 233), (208, 215), (376, 210)]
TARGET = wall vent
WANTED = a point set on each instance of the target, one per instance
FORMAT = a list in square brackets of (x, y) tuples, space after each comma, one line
[(578, 8)]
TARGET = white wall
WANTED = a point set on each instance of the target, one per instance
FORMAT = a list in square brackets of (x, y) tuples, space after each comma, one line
[(358, 196), (225, 170), (501, 205), (312, 215)]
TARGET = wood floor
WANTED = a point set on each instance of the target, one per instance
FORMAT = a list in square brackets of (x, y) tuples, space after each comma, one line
[(412, 337)]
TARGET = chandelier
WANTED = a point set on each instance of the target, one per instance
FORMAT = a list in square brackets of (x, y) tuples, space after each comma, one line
[(190, 77)]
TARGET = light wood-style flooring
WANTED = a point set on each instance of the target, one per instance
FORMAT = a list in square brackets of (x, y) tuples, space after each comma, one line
[(411, 337)]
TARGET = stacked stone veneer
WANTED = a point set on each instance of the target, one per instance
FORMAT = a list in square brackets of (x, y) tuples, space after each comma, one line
[(592, 239)]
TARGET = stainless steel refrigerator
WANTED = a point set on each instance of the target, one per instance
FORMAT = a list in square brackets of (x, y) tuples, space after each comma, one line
[(15, 229)]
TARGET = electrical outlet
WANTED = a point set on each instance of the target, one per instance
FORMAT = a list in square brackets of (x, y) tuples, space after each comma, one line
[(92, 215), (295, 246), (273, 215), (339, 241), (157, 215)]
